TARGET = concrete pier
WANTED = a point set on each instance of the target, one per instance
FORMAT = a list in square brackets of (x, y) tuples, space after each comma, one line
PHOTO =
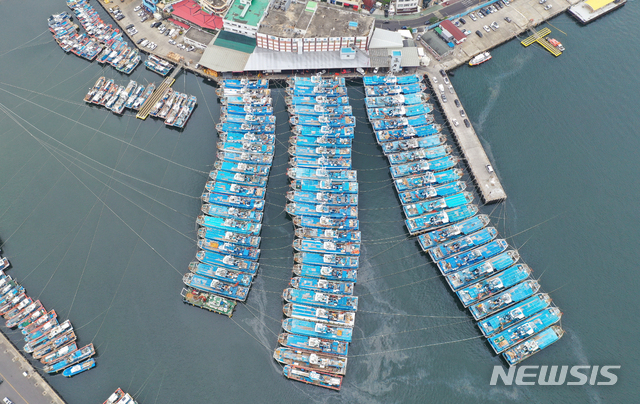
[(488, 184)]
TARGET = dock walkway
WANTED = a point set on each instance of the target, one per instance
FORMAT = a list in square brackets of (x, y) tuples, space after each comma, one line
[(488, 184), (143, 113)]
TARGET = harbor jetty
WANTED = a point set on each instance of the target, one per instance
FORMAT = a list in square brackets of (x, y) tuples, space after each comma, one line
[(157, 94)]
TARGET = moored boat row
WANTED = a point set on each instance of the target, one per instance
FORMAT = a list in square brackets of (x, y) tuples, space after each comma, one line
[(478, 266), (120, 397)]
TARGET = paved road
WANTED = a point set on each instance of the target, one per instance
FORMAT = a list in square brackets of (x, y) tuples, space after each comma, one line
[(453, 9)]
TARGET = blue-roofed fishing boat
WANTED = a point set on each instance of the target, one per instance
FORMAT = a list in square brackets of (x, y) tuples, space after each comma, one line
[(326, 272), (493, 285), (338, 236), (233, 225), (318, 299), (432, 221), (245, 83), (423, 166), (59, 354), (315, 109), (328, 163), (15, 319), (446, 202), (449, 233), (226, 127), (229, 236), (208, 301), (332, 186), (533, 345), (518, 333), (505, 299), (236, 250), (249, 137), (231, 212), (324, 130), (319, 379), (246, 157), (331, 260), (216, 286), (390, 123), (223, 274), (246, 147), (12, 299), (52, 345), (514, 315), (413, 143), (401, 110), (239, 178), (322, 285), (237, 109), (315, 80), (318, 151), (382, 90), (4, 262), (430, 192), (226, 188), (13, 311), (134, 96), (474, 273), (71, 359), (326, 141), (42, 331), (227, 261), (324, 222), (321, 174), (320, 315), (319, 330), (390, 80), (234, 201), (460, 245), (243, 91), (39, 322), (419, 154), (334, 121), (141, 100), (305, 91), (325, 198), (460, 261), (314, 361), (326, 246), (320, 100), (250, 119), (319, 209), (313, 344), (79, 368), (256, 101), (392, 135), (37, 315), (244, 168), (387, 101)]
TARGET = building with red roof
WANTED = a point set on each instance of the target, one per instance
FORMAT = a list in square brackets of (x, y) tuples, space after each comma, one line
[(188, 11), (455, 32)]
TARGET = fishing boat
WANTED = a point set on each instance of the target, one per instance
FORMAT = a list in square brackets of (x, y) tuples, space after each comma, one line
[(175, 110), (463, 244), (79, 368), (115, 397), (409, 132), (4, 263), (134, 96), (243, 91), (318, 330), (71, 359), (324, 141), (245, 83), (320, 100), (338, 236), (226, 188), (94, 90), (505, 299), (413, 143), (32, 318), (506, 318), (325, 198), (225, 127), (315, 109), (313, 344), (227, 261), (246, 100), (14, 310), (59, 354), (423, 166), (317, 91), (324, 130), (39, 322), (319, 379), (474, 273), (166, 94), (393, 89), (391, 79), (13, 297), (338, 318), (401, 110), (333, 121), (231, 212), (331, 186), (431, 221), (324, 222), (298, 173), (327, 163), (318, 299), (245, 147), (54, 344), (468, 258), (249, 137), (331, 260), (400, 99), (481, 58), (554, 42), (229, 236), (243, 168), (493, 285), (445, 202), (322, 285), (326, 246), (143, 98), (118, 107), (315, 361), (318, 151), (452, 232), (316, 80), (250, 119), (39, 331), (237, 109), (222, 274), (233, 225), (319, 209), (233, 201), (36, 339), (236, 250), (216, 286), (14, 320), (246, 157), (325, 272), (533, 345), (208, 301), (420, 154), (518, 333)]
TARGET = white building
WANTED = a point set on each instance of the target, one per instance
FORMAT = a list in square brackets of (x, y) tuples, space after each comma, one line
[(406, 6), (244, 16)]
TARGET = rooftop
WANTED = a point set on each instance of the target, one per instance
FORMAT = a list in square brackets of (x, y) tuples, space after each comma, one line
[(235, 41), (252, 16), (265, 59), (319, 20), (199, 36), (190, 11), (597, 4)]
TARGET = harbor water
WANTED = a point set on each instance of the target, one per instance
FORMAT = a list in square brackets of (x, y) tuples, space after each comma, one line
[(97, 215)]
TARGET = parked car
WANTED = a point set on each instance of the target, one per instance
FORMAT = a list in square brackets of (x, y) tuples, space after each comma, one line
[(137, 8), (486, 28), (450, 88), (444, 98), (548, 6), (507, 19), (144, 43), (466, 123), (462, 114), (462, 20), (479, 34), (443, 73), (129, 26), (455, 122), (166, 33), (140, 41), (192, 48), (457, 103), (446, 80)]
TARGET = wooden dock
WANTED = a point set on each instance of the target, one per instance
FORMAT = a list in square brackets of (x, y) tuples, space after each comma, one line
[(143, 113), (538, 37), (480, 168)]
